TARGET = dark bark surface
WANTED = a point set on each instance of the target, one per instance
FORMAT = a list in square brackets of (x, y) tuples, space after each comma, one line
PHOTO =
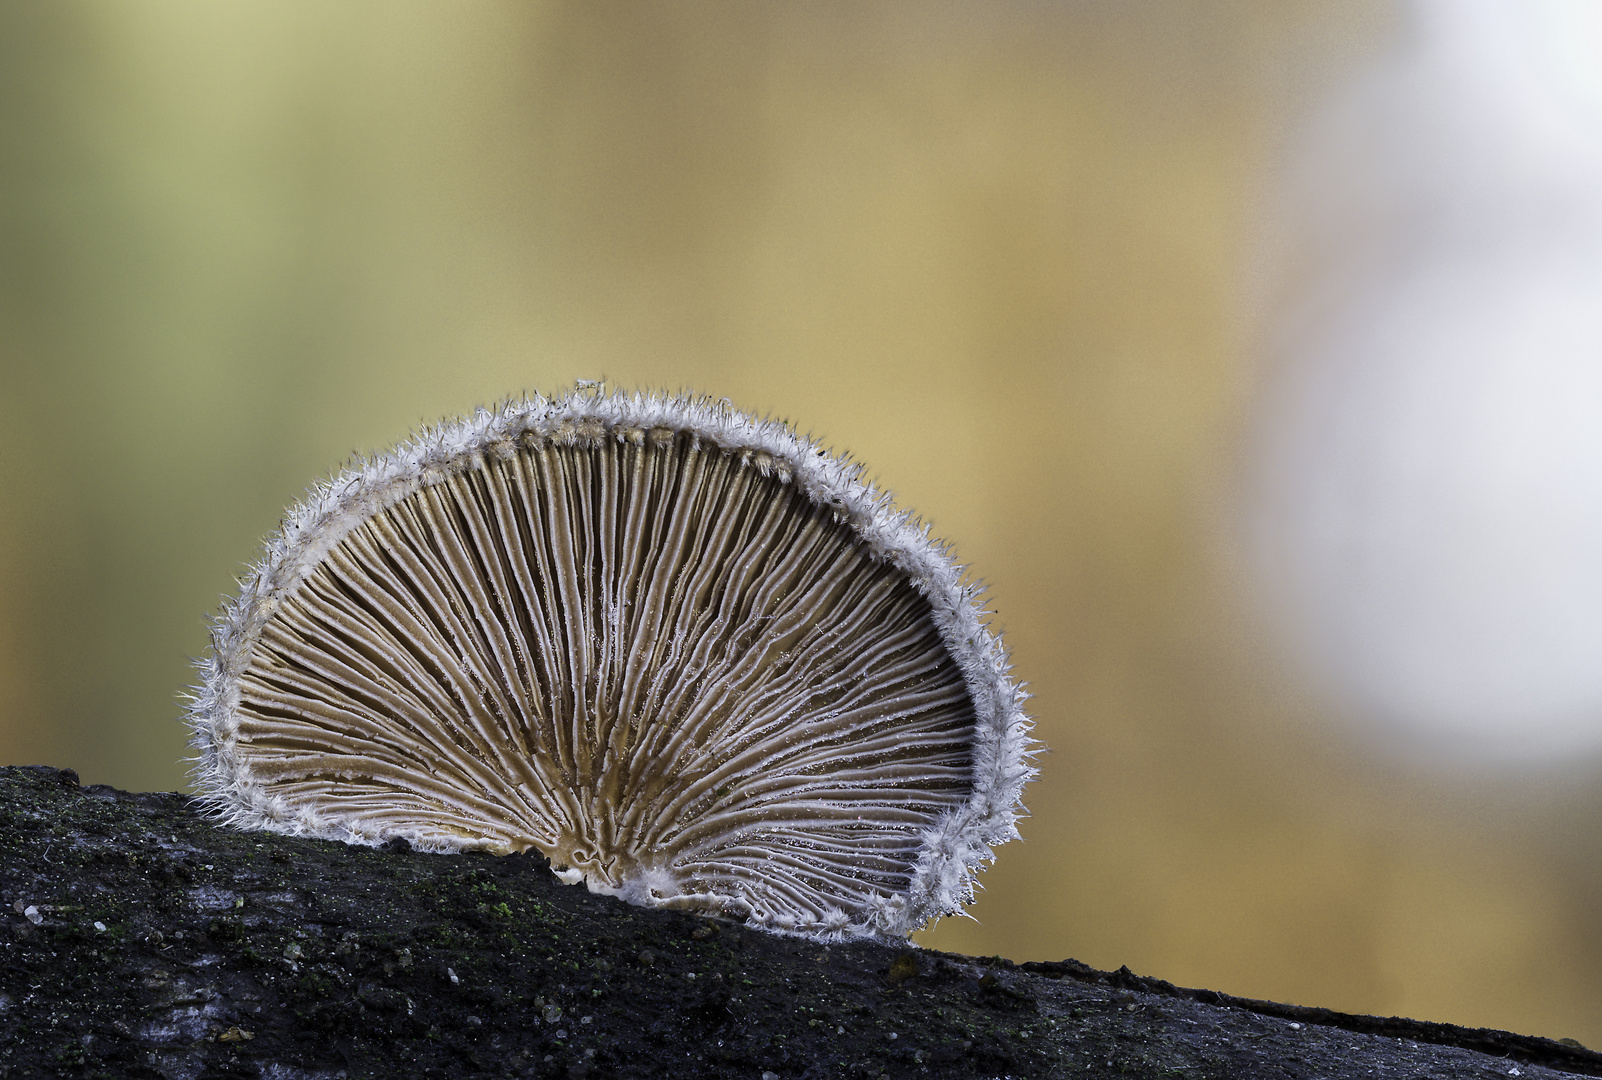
[(140, 940)]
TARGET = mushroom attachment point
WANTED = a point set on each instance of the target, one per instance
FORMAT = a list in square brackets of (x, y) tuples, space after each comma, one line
[(687, 654)]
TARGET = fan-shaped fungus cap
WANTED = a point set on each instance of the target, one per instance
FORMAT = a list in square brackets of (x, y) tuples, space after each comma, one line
[(688, 655)]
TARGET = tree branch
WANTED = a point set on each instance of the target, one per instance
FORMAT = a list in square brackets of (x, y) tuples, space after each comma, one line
[(141, 940)]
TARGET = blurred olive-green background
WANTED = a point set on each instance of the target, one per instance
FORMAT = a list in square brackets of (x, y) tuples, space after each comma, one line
[(995, 249)]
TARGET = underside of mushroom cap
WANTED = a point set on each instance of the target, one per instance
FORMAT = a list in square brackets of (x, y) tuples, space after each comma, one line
[(690, 656)]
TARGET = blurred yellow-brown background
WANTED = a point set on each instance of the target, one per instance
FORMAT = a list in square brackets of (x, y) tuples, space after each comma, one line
[(999, 251)]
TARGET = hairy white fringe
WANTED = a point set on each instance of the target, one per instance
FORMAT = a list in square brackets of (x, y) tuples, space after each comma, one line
[(953, 851)]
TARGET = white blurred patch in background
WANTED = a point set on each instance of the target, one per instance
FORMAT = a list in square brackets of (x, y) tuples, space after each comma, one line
[(1426, 508)]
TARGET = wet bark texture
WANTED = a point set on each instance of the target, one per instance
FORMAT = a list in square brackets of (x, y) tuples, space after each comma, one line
[(137, 939)]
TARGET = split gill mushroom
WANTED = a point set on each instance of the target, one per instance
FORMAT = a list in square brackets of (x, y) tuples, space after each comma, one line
[(688, 655)]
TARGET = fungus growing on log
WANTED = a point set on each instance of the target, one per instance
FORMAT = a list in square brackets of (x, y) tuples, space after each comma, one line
[(688, 655)]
